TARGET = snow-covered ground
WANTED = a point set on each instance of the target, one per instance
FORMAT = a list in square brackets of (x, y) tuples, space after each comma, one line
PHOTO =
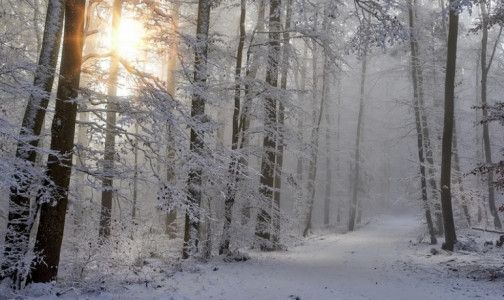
[(385, 259)]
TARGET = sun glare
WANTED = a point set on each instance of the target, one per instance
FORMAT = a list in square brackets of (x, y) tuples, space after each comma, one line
[(131, 34)]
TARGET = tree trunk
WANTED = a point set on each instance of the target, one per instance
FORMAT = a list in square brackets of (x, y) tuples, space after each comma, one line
[(317, 119), (485, 67), (234, 168), (355, 181), (53, 198), (325, 95), (110, 133), (418, 121), (456, 167), (338, 129), (312, 167), (135, 177), (299, 166), (171, 227), (192, 222), (252, 66), (263, 227), (20, 219), (281, 121), (446, 202)]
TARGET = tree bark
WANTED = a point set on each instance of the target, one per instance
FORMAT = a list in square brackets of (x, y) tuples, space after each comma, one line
[(312, 167), (234, 167), (54, 196), (485, 67), (20, 219), (418, 121), (252, 67), (192, 215), (281, 121), (263, 227), (445, 185)]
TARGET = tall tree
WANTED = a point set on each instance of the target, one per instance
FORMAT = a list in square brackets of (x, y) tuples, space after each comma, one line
[(485, 68), (315, 133), (280, 128), (200, 75), (234, 167), (356, 168), (171, 216), (418, 121), (263, 227), (20, 219), (54, 196), (110, 133), (446, 150), (252, 67)]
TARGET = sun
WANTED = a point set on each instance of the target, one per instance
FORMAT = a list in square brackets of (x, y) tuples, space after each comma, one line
[(130, 38)]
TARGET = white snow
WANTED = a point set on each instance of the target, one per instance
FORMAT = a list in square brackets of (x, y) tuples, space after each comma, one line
[(381, 260)]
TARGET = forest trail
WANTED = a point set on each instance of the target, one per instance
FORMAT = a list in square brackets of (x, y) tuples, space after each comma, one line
[(370, 263), (378, 261)]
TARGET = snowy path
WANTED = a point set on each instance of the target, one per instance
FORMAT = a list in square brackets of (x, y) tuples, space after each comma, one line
[(375, 262), (366, 264)]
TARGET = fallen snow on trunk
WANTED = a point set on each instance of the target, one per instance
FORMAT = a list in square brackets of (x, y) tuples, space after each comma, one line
[(382, 260)]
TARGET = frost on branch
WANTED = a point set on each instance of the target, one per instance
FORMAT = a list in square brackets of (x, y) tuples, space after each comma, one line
[(379, 26), (458, 6), (496, 113)]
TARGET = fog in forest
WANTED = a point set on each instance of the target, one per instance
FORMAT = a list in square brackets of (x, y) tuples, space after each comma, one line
[(146, 142)]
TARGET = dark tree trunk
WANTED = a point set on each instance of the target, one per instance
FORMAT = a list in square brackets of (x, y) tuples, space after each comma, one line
[(281, 121), (446, 201), (263, 228), (192, 222), (53, 198), (20, 219)]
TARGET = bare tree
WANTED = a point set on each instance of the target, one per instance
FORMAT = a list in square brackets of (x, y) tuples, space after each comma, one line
[(192, 222), (53, 198), (20, 218), (485, 68), (110, 133), (263, 228), (446, 202), (418, 121), (234, 166)]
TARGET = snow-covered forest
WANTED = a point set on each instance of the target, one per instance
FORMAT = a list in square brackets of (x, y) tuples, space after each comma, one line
[(260, 149)]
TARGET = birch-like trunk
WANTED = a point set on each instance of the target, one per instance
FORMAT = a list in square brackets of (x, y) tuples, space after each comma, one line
[(417, 86), (356, 167), (20, 218)]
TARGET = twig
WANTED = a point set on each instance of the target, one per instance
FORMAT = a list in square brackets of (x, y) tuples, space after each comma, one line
[(488, 230)]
